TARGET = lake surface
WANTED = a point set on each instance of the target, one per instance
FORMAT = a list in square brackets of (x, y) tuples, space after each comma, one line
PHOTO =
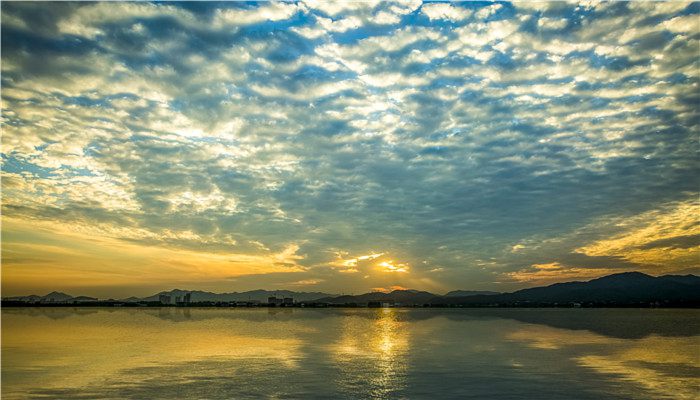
[(148, 353)]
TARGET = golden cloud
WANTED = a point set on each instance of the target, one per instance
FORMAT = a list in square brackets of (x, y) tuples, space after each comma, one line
[(554, 272), (391, 266), (388, 289), (349, 265), (667, 238)]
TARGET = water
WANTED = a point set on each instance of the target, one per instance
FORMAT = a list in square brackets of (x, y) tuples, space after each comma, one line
[(350, 353)]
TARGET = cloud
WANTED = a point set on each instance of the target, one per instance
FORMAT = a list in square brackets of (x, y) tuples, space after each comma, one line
[(551, 23), (517, 247), (306, 282), (445, 11), (388, 289), (273, 11), (545, 274), (676, 242), (665, 237), (658, 241), (350, 265), (483, 139), (391, 266)]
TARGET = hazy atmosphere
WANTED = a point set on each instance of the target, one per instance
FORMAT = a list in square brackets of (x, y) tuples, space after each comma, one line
[(346, 147)]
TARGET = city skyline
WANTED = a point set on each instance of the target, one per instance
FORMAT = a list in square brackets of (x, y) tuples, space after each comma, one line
[(346, 147)]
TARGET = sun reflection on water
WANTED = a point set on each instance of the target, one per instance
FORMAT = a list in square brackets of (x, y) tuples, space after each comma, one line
[(374, 350), (390, 345)]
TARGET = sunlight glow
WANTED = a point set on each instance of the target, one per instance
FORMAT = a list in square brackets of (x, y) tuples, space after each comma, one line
[(389, 266)]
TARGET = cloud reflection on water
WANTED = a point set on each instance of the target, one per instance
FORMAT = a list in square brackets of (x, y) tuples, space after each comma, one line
[(375, 353)]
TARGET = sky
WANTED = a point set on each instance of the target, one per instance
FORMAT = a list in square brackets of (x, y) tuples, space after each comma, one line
[(346, 147)]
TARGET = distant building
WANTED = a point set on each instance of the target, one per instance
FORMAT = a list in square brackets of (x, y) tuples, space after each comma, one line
[(288, 301), (274, 301), (164, 299), (247, 303), (83, 299), (183, 300), (381, 304)]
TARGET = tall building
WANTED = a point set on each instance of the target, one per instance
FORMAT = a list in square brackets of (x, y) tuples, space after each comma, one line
[(164, 299), (188, 298)]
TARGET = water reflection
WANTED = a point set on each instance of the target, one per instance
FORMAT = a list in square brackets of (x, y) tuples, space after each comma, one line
[(346, 353), (374, 346), (391, 345), (663, 366), (619, 323)]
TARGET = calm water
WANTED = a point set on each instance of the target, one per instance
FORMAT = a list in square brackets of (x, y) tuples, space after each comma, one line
[(350, 353)]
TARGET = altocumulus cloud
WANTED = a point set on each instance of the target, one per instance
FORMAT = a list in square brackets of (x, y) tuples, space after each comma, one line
[(465, 144)]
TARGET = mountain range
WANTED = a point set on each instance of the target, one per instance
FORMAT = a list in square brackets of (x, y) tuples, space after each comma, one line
[(252, 295), (53, 297), (399, 296), (622, 288), (464, 293)]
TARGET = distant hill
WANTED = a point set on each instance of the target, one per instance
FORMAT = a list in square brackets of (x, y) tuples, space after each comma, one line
[(628, 288), (623, 288), (53, 297), (464, 293), (256, 295), (397, 296), (685, 279), (56, 296)]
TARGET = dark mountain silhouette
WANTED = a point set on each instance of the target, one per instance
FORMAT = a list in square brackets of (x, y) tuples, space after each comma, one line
[(256, 295), (685, 279), (464, 293), (623, 288), (57, 296), (53, 297), (30, 299), (628, 288), (397, 296)]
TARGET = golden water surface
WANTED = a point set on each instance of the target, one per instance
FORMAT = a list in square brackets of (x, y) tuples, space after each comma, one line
[(349, 353)]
